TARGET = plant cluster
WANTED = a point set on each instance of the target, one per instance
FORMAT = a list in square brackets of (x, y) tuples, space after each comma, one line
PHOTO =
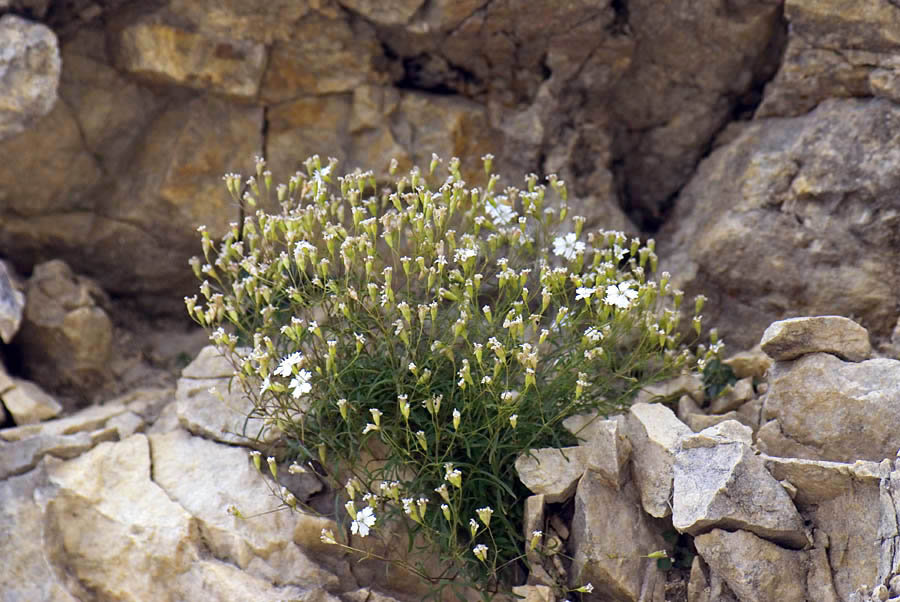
[(413, 340)]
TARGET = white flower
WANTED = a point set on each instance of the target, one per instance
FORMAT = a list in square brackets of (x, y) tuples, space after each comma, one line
[(593, 334), (300, 383), (480, 552), (584, 292), (285, 368), (327, 536), (369, 428), (265, 386), (462, 255), (620, 295), (501, 213), (566, 246), (365, 519)]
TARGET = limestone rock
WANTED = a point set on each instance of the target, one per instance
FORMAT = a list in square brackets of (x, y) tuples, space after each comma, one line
[(159, 48), (12, 302), (26, 574), (610, 538), (805, 396), (732, 397), (755, 569), (211, 404), (27, 403), (756, 221), (395, 13), (607, 448), (699, 422), (721, 483), (789, 339), (323, 56), (655, 433), (18, 457), (187, 469), (834, 50), (29, 73), (261, 21), (66, 335), (550, 472), (685, 384), (89, 419), (746, 364), (534, 593)]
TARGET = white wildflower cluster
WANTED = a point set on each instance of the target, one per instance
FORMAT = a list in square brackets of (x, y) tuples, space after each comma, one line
[(430, 319)]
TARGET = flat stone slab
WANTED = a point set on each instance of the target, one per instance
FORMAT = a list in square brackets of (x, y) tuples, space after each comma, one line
[(789, 339)]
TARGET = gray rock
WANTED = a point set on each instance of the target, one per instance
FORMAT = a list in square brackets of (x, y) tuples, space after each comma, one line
[(19, 457), (732, 397), (721, 483), (699, 422), (789, 339), (655, 433), (610, 538), (805, 397), (607, 448), (685, 384), (759, 220), (755, 569), (29, 73), (551, 472), (214, 405), (89, 419), (12, 303)]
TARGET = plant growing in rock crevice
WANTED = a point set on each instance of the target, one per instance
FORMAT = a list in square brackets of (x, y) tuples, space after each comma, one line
[(418, 338)]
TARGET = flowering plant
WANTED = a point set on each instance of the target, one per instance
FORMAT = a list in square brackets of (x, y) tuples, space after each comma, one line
[(451, 327)]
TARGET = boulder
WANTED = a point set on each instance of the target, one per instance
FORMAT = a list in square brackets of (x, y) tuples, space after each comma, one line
[(820, 407), (12, 303), (721, 483), (655, 433), (789, 339), (755, 569), (29, 71), (779, 219), (753, 363), (552, 473), (610, 539), (66, 335)]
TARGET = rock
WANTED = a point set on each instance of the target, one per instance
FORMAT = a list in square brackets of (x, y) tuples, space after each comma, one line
[(755, 220), (807, 394), (687, 407), (789, 339), (29, 70), (395, 13), (160, 48), (686, 384), (21, 456), (755, 569), (733, 396), (698, 585), (27, 403), (534, 593), (323, 56), (66, 335), (817, 481), (607, 448), (27, 574), (699, 422), (185, 468), (819, 582), (89, 419), (720, 483), (12, 302), (749, 364), (654, 432), (610, 539), (261, 21), (214, 406), (833, 51), (550, 472), (533, 520)]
